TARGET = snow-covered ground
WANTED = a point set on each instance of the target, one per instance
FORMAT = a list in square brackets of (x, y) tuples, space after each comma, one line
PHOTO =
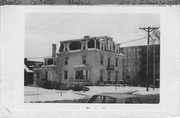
[(32, 94)]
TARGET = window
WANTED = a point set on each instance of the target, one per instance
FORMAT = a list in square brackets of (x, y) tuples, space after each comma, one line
[(98, 99), (101, 75), (136, 57), (54, 62), (116, 76), (79, 74), (61, 48), (101, 46), (91, 43), (117, 50), (65, 74), (75, 45), (86, 74), (109, 100), (102, 57), (66, 61), (109, 61), (116, 61), (109, 75), (84, 59), (84, 46), (46, 76), (66, 47)]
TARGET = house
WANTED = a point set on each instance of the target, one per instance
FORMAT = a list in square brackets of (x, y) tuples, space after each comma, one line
[(88, 60), (28, 75), (29, 65)]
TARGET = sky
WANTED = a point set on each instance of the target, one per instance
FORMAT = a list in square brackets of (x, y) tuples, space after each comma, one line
[(44, 29)]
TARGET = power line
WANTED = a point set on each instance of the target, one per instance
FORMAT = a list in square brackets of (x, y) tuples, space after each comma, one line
[(134, 40)]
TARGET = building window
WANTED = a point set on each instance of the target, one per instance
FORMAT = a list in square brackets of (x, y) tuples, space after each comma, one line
[(54, 62), (102, 57), (109, 75), (46, 76), (66, 61), (66, 49), (135, 70), (116, 76), (86, 74), (65, 74), (101, 46), (79, 74), (136, 57), (109, 61), (117, 50), (84, 59), (101, 75), (116, 61), (83, 46)]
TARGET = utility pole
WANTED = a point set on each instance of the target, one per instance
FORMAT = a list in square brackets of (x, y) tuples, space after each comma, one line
[(59, 64), (148, 30), (154, 65)]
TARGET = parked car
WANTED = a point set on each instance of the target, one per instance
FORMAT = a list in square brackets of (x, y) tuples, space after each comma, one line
[(79, 88), (115, 98)]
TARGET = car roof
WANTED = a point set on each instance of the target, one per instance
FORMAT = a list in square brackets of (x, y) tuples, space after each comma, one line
[(117, 95)]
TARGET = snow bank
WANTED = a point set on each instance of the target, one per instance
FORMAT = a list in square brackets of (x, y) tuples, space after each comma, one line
[(33, 94)]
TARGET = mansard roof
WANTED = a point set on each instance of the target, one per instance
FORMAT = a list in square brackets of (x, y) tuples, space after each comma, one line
[(87, 38)]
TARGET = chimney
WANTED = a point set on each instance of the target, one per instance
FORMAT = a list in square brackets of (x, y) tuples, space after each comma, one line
[(25, 61), (86, 36), (53, 50)]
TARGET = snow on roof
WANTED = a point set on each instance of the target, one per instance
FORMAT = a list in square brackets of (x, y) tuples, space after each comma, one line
[(27, 69)]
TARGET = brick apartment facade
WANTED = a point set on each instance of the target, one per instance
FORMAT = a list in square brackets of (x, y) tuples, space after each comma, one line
[(135, 64)]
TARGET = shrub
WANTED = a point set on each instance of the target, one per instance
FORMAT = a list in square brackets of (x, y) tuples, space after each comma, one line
[(80, 88), (45, 84)]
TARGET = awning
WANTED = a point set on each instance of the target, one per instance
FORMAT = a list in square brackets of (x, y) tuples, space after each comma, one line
[(81, 67), (27, 69)]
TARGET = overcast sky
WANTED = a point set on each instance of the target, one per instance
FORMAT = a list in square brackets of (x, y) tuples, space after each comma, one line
[(44, 29)]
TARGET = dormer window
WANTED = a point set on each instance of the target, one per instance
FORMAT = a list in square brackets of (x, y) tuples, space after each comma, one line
[(84, 45), (66, 47), (101, 46)]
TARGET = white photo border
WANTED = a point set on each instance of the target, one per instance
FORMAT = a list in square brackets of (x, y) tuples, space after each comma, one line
[(13, 25)]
